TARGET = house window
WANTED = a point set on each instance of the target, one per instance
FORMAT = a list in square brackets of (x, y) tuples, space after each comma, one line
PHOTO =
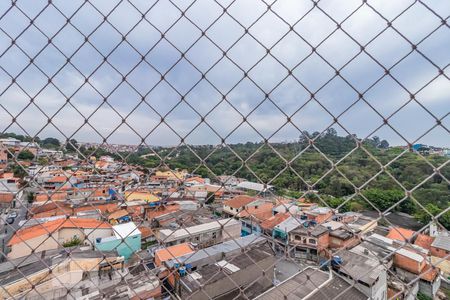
[(312, 241)]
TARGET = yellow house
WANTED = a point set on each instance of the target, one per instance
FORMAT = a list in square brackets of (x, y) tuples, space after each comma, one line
[(171, 175), (141, 195)]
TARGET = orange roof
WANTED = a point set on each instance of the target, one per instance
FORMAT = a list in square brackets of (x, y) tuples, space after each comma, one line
[(196, 178), (424, 241), (52, 226), (173, 252), (6, 197), (274, 220), (429, 275), (261, 212), (58, 179), (152, 213), (239, 201), (400, 234), (53, 196), (118, 214), (104, 208), (146, 232), (51, 209), (8, 175)]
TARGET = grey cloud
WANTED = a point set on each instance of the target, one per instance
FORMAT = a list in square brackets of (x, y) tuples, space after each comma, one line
[(413, 72)]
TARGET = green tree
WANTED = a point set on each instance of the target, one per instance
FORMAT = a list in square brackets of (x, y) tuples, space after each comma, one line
[(423, 217), (19, 171), (75, 241), (25, 155), (210, 198), (50, 143), (72, 145), (383, 199)]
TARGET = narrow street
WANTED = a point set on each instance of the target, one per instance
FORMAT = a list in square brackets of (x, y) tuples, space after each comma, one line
[(7, 230)]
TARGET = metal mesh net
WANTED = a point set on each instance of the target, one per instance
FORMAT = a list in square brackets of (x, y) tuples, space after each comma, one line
[(224, 149)]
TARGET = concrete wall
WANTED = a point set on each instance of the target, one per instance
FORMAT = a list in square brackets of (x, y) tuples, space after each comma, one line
[(40, 243), (231, 231), (68, 272), (439, 252), (430, 288), (339, 243), (230, 210), (408, 264)]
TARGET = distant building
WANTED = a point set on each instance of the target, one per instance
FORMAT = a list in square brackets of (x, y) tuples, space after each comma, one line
[(3, 158), (234, 206), (254, 187), (48, 153), (203, 235)]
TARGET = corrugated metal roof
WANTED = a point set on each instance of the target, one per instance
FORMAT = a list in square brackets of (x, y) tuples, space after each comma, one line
[(188, 231), (224, 247), (442, 242)]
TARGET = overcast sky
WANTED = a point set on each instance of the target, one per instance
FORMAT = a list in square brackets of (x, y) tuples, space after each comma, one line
[(225, 30)]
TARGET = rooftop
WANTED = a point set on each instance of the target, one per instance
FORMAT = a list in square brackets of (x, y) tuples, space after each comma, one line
[(118, 214), (173, 252), (262, 211), (311, 230), (223, 249), (273, 221), (313, 284), (342, 233), (16, 269), (254, 186), (239, 201), (424, 241), (360, 267), (289, 224), (215, 272), (400, 234), (442, 242), (125, 230), (52, 226), (168, 235)]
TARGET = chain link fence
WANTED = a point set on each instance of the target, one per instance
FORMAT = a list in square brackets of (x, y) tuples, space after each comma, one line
[(155, 87)]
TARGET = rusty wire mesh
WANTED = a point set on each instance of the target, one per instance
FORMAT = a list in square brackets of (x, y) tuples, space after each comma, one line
[(221, 45)]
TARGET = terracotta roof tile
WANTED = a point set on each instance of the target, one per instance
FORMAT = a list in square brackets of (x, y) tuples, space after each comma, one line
[(6, 197), (429, 275), (273, 221), (239, 201), (424, 241), (173, 252), (400, 234), (118, 214), (262, 211), (146, 232), (52, 226)]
